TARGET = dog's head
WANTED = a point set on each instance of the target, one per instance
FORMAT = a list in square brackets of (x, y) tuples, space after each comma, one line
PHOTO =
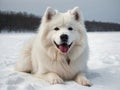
[(63, 30)]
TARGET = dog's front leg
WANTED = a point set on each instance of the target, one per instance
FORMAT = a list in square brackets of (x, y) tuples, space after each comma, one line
[(81, 79), (50, 77)]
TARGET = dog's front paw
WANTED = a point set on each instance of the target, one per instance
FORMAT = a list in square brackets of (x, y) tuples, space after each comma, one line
[(80, 79), (83, 82), (54, 79)]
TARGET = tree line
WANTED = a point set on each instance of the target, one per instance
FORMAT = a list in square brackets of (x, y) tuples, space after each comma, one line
[(102, 26), (23, 22), (11, 21)]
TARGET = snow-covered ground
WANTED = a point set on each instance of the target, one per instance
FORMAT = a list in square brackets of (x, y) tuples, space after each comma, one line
[(104, 64)]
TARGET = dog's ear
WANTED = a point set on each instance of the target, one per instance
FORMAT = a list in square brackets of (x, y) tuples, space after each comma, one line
[(76, 12), (49, 13)]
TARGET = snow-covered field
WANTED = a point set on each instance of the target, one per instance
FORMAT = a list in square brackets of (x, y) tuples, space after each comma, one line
[(104, 64)]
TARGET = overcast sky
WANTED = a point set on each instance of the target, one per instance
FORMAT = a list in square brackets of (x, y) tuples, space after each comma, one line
[(99, 10)]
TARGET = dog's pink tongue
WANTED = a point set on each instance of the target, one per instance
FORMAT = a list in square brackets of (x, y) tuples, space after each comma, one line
[(64, 49)]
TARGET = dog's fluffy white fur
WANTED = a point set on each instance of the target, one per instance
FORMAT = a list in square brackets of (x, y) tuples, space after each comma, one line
[(45, 60)]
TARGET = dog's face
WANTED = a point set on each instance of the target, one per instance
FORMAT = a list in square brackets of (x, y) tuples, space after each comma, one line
[(63, 29)]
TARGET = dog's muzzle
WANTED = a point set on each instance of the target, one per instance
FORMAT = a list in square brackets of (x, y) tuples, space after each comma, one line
[(63, 46)]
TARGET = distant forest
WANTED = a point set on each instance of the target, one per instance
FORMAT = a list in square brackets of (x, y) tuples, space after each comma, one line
[(23, 22)]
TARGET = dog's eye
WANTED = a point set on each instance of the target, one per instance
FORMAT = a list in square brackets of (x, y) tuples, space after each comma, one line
[(70, 28), (56, 28)]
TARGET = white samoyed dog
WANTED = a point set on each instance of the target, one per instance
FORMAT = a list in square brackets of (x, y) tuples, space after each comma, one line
[(59, 51)]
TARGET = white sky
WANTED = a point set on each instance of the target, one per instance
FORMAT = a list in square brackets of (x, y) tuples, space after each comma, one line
[(99, 10)]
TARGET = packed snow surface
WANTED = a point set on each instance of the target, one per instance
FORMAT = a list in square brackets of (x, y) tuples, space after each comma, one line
[(104, 64)]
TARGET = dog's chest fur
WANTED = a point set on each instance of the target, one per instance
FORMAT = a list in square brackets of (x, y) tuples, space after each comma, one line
[(64, 68)]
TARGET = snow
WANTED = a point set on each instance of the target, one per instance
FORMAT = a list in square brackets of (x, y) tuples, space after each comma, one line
[(104, 64)]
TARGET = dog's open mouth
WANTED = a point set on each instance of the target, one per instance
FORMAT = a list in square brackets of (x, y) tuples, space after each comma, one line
[(64, 47)]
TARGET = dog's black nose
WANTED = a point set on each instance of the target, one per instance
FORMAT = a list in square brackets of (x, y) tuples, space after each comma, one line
[(64, 37)]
